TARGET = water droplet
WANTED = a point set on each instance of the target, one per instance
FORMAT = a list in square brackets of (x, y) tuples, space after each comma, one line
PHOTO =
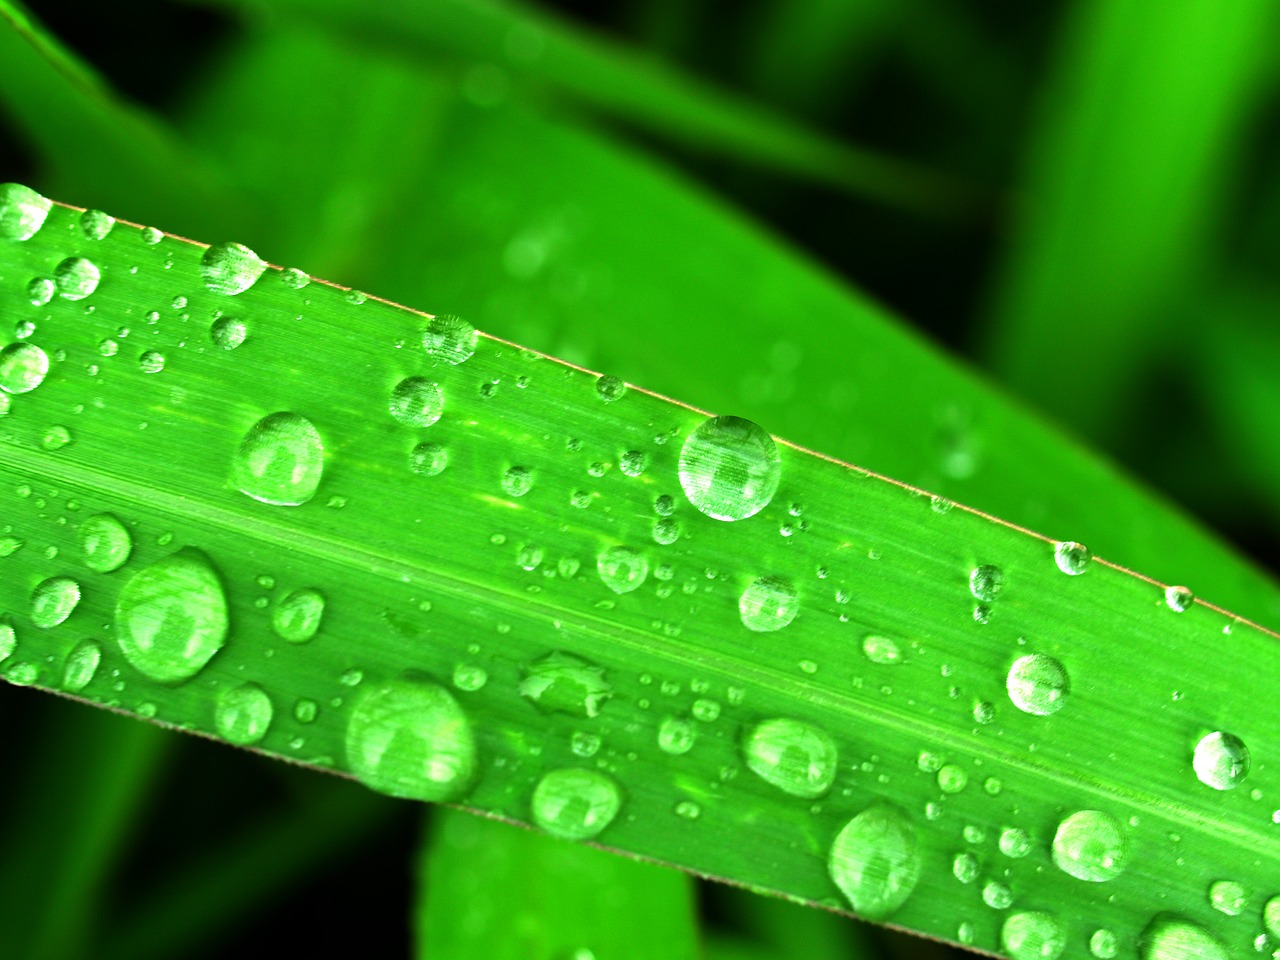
[(964, 867), (688, 810), (952, 779), (1015, 842), (666, 531), (55, 438), (986, 582), (881, 650), (610, 388), (996, 895), (563, 683), (228, 332), (1091, 845), (96, 224), (729, 468), (517, 481), (243, 714), (8, 639), (305, 711), (171, 617), (622, 569), (676, 736), (706, 710), (1031, 935), (230, 268), (1227, 896), (76, 278), (1221, 761), (151, 236), (575, 804), (1103, 944), (632, 463), (450, 339), (280, 460), (469, 677), (1038, 684), (428, 459), (41, 290), (797, 758), (408, 737), (875, 862), (53, 600), (23, 673), (22, 211), (984, 712), (22, 367), (297, 617), (417, 402), (1178, 599), (105, 542), (108, 347), (1072, 558), (152, 361), (768, 604), (1168, 937), (80, 666), (1270, 912), (294, 278), (584, 744)]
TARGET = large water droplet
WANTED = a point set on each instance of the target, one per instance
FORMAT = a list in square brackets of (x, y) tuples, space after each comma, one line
[(417, 402), (575, 804), (280, 460), (1072, 558), (409, 738), (22, 367), (450, 339), (22, 211), (563, 683), (80, 666), (76, 278), (243, 714), (1091, 845), (1178, 599), (1015, 842), (230, 268), (171, 617), (297, 617), (1228, 896), (1031, 935), (105, 542), (96, 224), (1221, 760), (228, 332), (622, 569), (986, 582), (797, 758), (729, 468), (1104, 944), (1168, 937), (53, 600), (768, 604), (875, 862), (1038, 684)]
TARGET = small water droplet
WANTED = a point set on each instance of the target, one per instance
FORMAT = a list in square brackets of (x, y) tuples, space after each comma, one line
[(706, 710), (76, 277), (228, 332), (449, 339), (517, 481), (243, 714), (1169, 937), (22, 367), (305, 711), (22, 211), (996, 895), (575, 804), (108, 347), (105, 543), (688, 810), (952, 779), (1221, 760), (1091, 845), (171, 617), (666, 531), (1015, 842), (1031, 935), (41, 290), (80, 666), (96, 225), (23, 673), (417, 402), (8, 639), (676, 736), (1103, 944), (797, 758), (55, 438), (622, 569), (1038, 684), (1178, 599), (610, 388), (584, 744), (230, 268), (469, 677), (964, 866), (875, 862), (428, 459), (53, 600), (729, 468), (408, 737), (986, 582), (563, 683), (151, 361), (881, 650), (768, 604), (1270, 912), (1072, 558), (297, 617), (1229, 897), (280, 460), (151, 236), (294, 278)]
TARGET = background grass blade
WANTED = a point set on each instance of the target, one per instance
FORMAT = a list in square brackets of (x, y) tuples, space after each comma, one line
[(589, 616), (489, 889)]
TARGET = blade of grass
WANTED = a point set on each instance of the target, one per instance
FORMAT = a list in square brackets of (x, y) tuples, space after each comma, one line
[(1124, 184), (489, 889), (624, 83), (517, 571), (99, 150)]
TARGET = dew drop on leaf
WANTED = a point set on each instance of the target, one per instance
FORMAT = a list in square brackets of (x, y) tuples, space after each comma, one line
[(729, 468), (243, 714), (230, 268), (882, 650), (1072, 558), (676, 736), (53, 600), (875, 861), (105, 543), (1091, 845), (575, 804), (610, 388), (96, 225), (1178, 599), (1170, 937), (428, 459), (986, 582), (408, 737), (1032, 935), (622, 569), (228, 332), (996, 895), (280, 460), (797, 758), (80, 666), (76, 277), (23, 367), (517, 481), (41, 290), (768, 604), (964, 867), (449, 339), (1103, 944), (8, 639), (417, 402), (171, 617), (55, 438), (297, 617), (1228, 896), (1015, 842), (1038, 684), (151, 361), (1221, 760), (22, 211), (563, 683)]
